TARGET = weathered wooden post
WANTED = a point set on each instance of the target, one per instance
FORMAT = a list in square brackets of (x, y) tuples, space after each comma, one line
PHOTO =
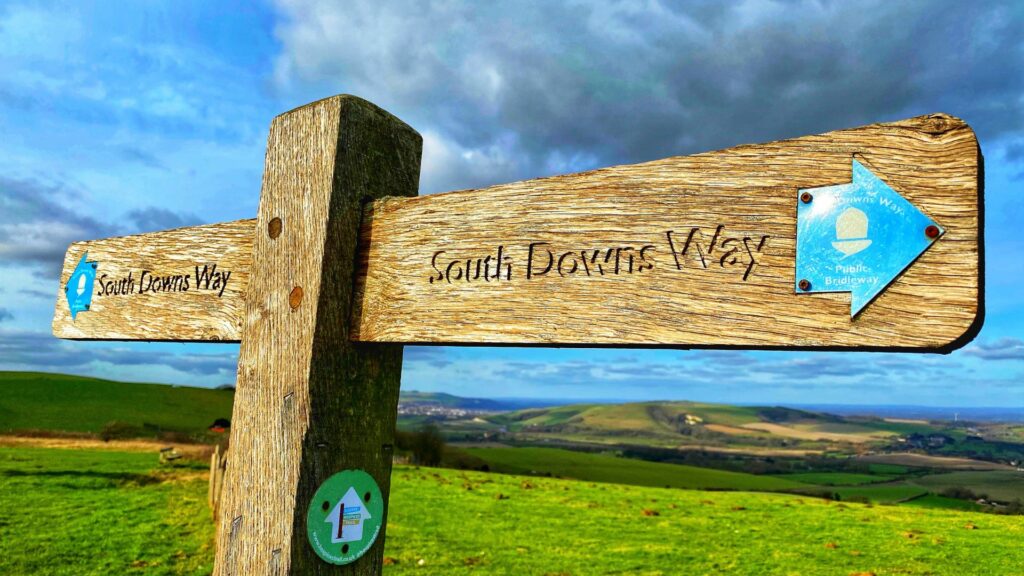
[(310, 402), (859, 239)]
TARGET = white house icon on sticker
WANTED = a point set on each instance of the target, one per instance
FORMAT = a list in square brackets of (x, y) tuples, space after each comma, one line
[(347, 518)]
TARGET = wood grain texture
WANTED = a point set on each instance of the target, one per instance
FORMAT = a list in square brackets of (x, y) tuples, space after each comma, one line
[(934, 161), (191, 311), (311, 403)]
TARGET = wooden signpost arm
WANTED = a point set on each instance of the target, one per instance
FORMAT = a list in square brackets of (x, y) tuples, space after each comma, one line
[(688, 251), (310, 402)]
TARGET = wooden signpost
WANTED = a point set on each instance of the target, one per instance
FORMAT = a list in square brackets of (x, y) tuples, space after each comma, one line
[(861, 239)]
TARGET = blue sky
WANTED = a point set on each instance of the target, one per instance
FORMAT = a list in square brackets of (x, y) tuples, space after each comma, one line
[(129, 117)]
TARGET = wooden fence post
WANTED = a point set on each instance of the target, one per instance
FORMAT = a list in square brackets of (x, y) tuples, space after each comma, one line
[(309, 402), (218, 464)]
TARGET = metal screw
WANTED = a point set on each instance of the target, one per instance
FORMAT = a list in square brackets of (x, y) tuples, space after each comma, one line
[(325, 505), (932, 231), (804, 285), (806, 197)]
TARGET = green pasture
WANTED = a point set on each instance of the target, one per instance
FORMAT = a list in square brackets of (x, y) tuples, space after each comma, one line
[(835, 478), (933, 501), (58, 402), (607, 468), (91, 513), (97, 512), (449, 522), (893, 493), (892, 469), (1002, 485)]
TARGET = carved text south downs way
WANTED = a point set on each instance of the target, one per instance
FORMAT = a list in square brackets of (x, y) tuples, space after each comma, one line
[(693, 247)]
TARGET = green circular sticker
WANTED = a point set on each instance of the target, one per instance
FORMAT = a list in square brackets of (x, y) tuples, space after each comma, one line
[(344, 517)]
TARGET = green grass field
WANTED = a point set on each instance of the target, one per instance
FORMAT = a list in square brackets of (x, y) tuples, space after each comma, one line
[(604, 468), (1002, 485), (933, 501), (893, 469), (882, 493), (86, 513), (58, 402), (835, 478)]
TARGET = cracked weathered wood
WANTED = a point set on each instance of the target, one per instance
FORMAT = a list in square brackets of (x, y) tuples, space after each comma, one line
[(408, 293), (125, 305), (309, 402)]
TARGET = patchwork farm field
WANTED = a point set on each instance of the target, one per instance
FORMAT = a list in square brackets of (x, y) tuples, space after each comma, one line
[(601, 468), (93, 512)]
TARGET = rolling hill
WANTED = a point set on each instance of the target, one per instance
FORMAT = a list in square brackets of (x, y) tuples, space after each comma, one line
[(671, 424), (62, 403), (451, 401), (54, 403)]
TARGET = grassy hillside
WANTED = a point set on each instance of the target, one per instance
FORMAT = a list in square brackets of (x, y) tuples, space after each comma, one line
[(37, 401), (450, 401), (836, 478), (602, 468), (1002, 485), (120, 514), (677, 423)]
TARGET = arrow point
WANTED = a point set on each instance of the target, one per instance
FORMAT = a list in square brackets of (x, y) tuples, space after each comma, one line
[(859, 298)]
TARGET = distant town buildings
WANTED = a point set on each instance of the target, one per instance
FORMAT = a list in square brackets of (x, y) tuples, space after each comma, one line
[(438, 410)]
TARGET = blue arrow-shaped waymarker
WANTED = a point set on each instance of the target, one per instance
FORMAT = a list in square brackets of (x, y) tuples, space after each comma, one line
[(79, 287), (857, 237)]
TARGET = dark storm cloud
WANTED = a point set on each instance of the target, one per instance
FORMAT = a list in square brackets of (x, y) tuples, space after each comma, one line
[(40, 222), (42, 351), (41, 219), (528, 89)]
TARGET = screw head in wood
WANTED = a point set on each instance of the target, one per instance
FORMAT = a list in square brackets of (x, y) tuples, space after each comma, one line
[(295, 298), (274, 228), (932, 231), (804, 285), (806, 197)]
